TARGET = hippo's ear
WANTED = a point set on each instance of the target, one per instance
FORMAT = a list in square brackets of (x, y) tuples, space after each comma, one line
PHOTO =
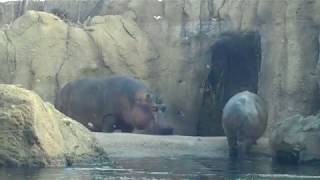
[(148, 97), (163, 108), (158, 100)]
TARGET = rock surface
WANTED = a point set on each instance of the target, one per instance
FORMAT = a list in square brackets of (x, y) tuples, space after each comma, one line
[(34, 134), (299, 135)]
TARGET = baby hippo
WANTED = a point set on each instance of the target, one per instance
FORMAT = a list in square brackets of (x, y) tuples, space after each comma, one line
[(244, 120)]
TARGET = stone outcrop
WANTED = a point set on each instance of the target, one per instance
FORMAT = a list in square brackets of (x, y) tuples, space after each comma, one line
[(179, 35), (34, 134), (297, 138)]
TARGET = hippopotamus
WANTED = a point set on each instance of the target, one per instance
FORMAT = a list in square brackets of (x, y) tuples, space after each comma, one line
[(111, 104), (244, 120)]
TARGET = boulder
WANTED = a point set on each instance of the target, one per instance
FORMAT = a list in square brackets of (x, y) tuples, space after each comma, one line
[(296, 139), (34, 134)]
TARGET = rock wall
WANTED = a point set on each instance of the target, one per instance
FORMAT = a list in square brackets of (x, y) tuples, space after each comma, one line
[(43, 53), (179, 34), (289, 45), (290, 52)]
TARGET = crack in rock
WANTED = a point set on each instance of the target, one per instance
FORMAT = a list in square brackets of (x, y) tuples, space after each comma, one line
[(12, 70), (65, 59), (127, 31), (100, 59)]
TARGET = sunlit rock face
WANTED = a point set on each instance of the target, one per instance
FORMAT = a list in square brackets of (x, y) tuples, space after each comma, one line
[(43, 53), (34, 134), (172, 40), (296, 139)]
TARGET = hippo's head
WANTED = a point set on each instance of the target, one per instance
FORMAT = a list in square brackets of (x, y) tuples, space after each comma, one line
[(145, 114), (142, 111)]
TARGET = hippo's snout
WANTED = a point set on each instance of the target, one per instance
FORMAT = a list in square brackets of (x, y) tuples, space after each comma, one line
[(159, 108)]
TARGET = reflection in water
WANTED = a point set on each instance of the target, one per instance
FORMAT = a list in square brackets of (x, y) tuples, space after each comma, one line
[(172, 168)]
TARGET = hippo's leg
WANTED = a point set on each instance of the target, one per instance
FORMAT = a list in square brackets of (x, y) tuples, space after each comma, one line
[(249, 142), (233, 145), (243, 148), (231, 131), (124, 127), (245, 145), (108, 123)]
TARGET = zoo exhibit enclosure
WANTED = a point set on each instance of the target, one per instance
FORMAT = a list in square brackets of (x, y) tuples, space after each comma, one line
[(169, 53), (269, 47)]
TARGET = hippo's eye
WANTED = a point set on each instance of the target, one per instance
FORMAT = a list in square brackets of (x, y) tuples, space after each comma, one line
[(155, 109), (159, 101), (139, 101)]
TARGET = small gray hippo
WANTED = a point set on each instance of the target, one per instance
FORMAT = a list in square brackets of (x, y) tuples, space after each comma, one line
[(110, 104), (244, 120)]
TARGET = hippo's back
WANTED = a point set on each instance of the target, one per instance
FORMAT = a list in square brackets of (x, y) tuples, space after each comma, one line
[(82, 92), (246, 113), (123, 86)]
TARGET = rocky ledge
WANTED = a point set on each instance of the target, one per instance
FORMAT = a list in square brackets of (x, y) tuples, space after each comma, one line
[(34, 134)]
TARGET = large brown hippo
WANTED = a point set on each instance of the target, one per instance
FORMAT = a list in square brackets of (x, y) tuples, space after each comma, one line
[(244, 120), (105, 105)]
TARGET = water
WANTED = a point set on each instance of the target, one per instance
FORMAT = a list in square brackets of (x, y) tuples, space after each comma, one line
[(171, 168)]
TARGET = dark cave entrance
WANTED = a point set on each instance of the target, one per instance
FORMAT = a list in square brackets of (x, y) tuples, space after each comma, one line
[(235, 65)]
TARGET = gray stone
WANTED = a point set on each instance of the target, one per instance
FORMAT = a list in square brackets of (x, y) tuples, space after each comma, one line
[(298, 136)]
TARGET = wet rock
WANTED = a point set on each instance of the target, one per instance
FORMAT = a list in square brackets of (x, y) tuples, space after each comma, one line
[(296, 139), (34, 134)]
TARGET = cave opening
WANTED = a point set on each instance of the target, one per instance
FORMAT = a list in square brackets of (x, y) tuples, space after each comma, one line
[(235, 66)]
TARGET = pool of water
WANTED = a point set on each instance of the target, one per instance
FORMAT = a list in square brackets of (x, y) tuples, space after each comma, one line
[(171, 168)]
